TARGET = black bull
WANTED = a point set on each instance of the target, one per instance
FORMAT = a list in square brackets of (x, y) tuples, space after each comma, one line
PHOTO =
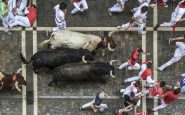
[(96, 71), (54, 58)]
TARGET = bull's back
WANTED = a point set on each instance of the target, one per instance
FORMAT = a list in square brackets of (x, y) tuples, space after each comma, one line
[(75, 40), (79, 72)]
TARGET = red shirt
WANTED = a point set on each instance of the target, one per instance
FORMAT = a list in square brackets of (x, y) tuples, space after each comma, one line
[(134, 57), (32, 15), (146, 73), (181, 5), (158, 90), (170, 96)]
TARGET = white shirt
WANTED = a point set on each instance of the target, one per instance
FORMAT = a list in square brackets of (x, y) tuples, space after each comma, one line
[(132, 88), (181, 47), (138, 13), (178, 13), (59, 14)]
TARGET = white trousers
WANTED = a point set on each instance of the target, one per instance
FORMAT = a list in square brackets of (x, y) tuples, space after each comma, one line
[(136, 66), (140, 27), (149, 80), (163, 105), (172, 21), (6, 20), (177, 56), (21, 21), (102, 106), (5, 23), (84, 5), (126, 91), (60, 26), (116, 8)]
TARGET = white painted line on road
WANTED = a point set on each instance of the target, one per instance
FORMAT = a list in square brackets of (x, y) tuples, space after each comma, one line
[(23, 44), (143, 82), (35, 93), (67, 97), (155, 59), (74, 97), (96, 29), (111, 29), (35, 89)]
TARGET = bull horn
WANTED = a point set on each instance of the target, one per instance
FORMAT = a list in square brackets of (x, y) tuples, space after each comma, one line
[(112, 61), (111, 74), (110, 33), (17, 87), (110, 49), (20, 69), (83, 59), (44, 43)]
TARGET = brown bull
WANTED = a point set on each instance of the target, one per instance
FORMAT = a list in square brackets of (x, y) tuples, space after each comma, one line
[(12, 80)]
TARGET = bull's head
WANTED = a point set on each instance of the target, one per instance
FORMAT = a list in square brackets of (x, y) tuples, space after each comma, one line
[(19, 80), (108, 41)]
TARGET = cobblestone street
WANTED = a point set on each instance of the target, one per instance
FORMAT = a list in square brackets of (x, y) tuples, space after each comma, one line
[(37, 98)]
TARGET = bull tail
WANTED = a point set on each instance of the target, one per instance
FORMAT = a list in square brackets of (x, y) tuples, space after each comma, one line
[(22, 58)]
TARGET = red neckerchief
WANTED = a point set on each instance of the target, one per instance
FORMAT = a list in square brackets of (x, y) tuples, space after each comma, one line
[(181, 5)]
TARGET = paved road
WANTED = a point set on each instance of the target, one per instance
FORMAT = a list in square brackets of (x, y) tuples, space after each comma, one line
[(12, 102)]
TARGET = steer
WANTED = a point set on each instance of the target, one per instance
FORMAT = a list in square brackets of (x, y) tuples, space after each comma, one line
[(96, 71), (77, 40), (12, 80), (53, 58)]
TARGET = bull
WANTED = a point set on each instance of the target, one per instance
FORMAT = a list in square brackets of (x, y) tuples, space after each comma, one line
[(96, 71), (77, 40), (12, 80), (53, 58)]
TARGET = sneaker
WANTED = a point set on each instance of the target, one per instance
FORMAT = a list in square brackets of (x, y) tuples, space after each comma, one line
[(110, 13), (165, 5), (157, 26), (119, 27), (125, 82), (73, 15), (132, 11), (158, 68)]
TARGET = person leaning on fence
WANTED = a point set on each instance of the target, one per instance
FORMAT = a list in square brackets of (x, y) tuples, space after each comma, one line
[(26, 21), (129, 102), (168, 98), (97, 102)]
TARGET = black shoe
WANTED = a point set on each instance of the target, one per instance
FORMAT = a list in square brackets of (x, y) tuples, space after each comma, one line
[(157, 26), (72, 15)]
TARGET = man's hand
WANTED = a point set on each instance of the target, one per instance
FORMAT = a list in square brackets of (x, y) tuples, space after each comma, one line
[(81, 9)]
